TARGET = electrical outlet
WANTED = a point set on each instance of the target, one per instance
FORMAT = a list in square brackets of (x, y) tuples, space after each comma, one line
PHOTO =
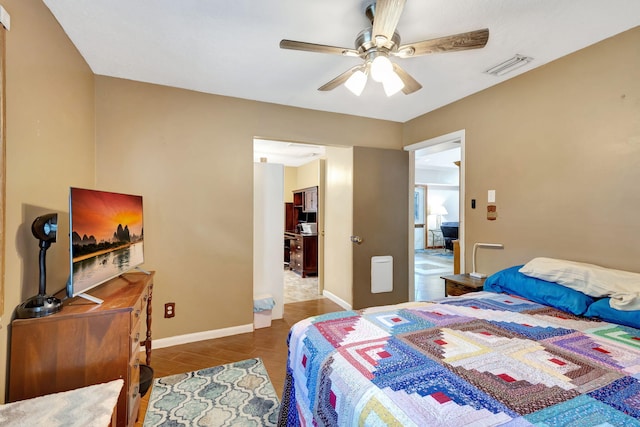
[(169, 310)]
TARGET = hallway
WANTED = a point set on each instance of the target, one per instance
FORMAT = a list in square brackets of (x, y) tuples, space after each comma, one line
[(430, 265)]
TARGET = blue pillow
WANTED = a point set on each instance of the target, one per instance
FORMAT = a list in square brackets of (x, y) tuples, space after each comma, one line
[(602, 310), (511, 281)]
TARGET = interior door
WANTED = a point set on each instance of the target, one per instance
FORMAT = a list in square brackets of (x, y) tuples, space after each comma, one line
[(421, 239), (380, 222)]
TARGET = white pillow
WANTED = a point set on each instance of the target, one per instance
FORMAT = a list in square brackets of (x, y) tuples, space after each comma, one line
[(622, 286)]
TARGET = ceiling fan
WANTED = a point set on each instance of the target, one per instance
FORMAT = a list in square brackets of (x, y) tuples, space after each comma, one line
[(380, 41)]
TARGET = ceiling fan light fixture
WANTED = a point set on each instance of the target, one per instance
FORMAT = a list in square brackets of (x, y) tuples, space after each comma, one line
[(356, 82), (392, 84), (381, 67), (376, 44)]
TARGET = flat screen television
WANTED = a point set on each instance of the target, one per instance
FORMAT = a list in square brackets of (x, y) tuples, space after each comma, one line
[(106, 238)]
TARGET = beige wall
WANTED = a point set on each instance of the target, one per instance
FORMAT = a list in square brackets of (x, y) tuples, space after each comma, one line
[(50, 146), (297, 178), (309, 175), (290, 183), (561, 147), (191, 156)]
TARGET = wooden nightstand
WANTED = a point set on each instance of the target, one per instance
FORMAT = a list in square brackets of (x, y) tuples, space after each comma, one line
[(459, 284)]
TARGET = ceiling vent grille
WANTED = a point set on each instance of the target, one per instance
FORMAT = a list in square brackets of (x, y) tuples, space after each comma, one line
[(509, 65)]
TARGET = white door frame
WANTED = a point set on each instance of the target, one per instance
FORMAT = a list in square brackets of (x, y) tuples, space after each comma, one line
[(453, 136)]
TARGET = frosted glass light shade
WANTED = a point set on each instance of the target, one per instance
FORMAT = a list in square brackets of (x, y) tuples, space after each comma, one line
[(381, 67), (356, 82), (392, 84)]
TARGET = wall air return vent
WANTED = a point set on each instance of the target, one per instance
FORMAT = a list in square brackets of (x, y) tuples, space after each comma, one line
[(509, 65)]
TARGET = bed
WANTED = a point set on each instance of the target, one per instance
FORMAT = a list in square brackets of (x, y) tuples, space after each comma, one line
[(480, 359)]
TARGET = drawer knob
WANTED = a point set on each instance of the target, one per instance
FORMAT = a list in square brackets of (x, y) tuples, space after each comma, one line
[(137, 337), (137, 314)]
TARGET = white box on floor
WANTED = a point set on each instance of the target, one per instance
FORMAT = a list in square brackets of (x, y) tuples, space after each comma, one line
[(262, 305), (262, 319)]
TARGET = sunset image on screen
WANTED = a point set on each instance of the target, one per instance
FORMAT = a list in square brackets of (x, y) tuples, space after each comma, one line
[(103, 218), (107, 237)]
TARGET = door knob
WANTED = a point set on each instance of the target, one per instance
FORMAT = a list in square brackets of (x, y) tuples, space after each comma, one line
[(356, 239)]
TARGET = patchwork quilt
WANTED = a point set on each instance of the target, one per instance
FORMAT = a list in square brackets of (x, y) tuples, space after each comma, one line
[(481, 359)]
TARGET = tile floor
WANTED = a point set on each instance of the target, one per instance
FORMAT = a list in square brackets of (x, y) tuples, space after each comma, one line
[(429, 266), (297, 289)]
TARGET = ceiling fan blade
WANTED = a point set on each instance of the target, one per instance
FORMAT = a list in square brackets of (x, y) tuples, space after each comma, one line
[(410, 84), (463, 41), (386, 17), (319, 48), (340, 79)]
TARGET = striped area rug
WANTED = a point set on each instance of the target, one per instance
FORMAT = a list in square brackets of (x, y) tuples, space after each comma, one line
[(238, 393)]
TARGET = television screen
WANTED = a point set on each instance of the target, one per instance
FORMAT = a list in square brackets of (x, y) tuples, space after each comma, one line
[(107, 237)]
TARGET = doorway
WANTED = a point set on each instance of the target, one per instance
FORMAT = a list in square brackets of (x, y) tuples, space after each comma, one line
[(437, 181), (345, 212), (301, 168)]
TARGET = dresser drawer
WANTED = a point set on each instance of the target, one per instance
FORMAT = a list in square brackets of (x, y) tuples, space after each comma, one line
[(138, 310), (296, 245), (133, 395), (135, 338)]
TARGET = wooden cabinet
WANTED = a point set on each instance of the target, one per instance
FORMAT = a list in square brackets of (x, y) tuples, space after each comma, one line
[(303, 256), (310, 200), (86, 344), (290, 217), (306, 200), (302, 249), (460, 284)]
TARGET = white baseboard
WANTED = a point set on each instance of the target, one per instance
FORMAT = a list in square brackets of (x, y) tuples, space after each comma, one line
[(201, 336), (234, 330), (342, 303)]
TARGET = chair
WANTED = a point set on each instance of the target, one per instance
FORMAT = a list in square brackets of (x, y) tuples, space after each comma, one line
[(449, 233)]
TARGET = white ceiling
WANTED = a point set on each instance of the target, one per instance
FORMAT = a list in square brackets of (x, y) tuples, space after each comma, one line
[(230, 47), (286, 153), (439, 156)]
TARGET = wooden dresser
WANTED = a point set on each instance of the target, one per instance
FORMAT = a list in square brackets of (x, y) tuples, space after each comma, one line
[(303, 256), (86, 344)]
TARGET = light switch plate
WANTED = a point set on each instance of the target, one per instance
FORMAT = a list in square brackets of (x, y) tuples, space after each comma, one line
[(491, 196), (5, 19)]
